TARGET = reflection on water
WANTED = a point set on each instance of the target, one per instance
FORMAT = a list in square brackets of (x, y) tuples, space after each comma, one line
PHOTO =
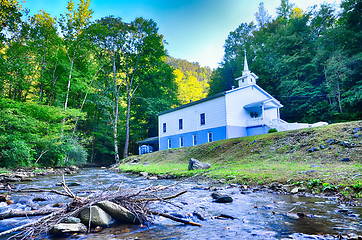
[(258, 215)]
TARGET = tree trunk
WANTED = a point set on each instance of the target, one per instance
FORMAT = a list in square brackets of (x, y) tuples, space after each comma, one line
[(68, 88), (116, 110), (42, 77), (126, 144), (339, 98)]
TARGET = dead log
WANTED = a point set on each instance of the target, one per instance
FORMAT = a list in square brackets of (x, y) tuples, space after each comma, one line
[(176, 219), (39, 221), (32, 213)]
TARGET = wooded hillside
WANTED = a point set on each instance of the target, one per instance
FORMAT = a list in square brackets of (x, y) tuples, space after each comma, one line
[(309, 60)]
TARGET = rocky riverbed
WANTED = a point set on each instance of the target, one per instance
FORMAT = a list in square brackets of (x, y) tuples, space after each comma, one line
[(253, 212)]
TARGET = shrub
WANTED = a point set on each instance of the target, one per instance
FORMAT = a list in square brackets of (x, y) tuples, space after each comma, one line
[(272, 130), (17, 154)]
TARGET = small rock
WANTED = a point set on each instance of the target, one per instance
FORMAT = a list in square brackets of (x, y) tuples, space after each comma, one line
[(74, 168), (70, 184), (313, 149), (221, 198), (196, 164), (295, 190), (145, 163), (39, 199), (99, 216), (198, 215), (322, 146), (63, 228), (345, 160), (331, 141), (58, 205), (216, 195), (12, 179), (224, 199), (144, 174), (4, 198), (72, 220), (152, 178), (347, 144), (357, 129)]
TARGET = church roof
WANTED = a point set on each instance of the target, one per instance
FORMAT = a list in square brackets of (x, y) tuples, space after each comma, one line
[(270, 97)]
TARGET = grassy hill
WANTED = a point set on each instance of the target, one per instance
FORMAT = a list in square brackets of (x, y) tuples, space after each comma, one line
[(316, 159)]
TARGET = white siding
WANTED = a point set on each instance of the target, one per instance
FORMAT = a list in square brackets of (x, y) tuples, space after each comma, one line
[(235, 102), (271, 113), (215, 116)]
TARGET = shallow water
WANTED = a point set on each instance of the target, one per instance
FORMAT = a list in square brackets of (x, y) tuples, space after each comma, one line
[(258, 215)]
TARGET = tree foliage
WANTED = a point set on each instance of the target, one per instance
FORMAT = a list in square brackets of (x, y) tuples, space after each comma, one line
[(73, 89), (310, 61)]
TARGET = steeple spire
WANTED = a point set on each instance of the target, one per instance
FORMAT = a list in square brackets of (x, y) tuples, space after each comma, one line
[(246, 67), (247, 78)]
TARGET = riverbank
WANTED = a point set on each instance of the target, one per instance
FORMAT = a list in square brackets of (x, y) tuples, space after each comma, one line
[(324, 160), (9, 177)]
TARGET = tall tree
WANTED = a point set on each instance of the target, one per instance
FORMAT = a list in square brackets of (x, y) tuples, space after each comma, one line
[(72, 25)]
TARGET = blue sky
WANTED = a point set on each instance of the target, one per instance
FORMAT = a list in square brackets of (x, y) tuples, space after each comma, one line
[(195, 30)]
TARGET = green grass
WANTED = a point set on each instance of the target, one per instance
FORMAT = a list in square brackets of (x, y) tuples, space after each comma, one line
[(281, 157), (4, 170)]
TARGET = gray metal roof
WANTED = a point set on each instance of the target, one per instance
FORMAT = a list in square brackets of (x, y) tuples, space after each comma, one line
[(193, 103)]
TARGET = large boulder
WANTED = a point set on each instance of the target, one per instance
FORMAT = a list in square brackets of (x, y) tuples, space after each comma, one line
[(64, 228), (99, 216), (196, 164), (118, 213)]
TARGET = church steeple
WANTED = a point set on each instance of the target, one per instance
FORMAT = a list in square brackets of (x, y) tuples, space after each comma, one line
[(246, 67), (247, 78)]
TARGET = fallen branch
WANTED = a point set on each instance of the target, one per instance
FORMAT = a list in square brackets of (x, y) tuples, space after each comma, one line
[(176, 219), (39, 221), (32, 189), (164, 198), (32, 213)]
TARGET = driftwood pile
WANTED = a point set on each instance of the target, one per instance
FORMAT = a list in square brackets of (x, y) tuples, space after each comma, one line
[(137, 201)]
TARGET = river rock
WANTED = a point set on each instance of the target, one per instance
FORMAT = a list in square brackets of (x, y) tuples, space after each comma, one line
[(62, 228), (4, 198), (196, 164), (118, 212), (144, 174), (72, 220), (295, 190), (219, 198), (99, 216)]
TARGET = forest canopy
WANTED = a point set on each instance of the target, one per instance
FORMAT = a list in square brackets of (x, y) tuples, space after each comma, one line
[(309, 60)]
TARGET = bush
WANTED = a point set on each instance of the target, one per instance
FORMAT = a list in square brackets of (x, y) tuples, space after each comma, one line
[(272, 130), (77, 155), (17, 154)]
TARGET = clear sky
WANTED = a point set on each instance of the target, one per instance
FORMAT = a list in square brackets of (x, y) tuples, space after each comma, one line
[(194, 30)]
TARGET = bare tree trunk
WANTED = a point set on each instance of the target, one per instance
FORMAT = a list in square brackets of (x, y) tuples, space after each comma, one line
[(339, 98), (126, 144), (116, 110), (68, 88), (42, 77), (85, 98), (130, 94)]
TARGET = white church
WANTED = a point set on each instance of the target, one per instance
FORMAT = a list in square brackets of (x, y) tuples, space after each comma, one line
[(243, 111)]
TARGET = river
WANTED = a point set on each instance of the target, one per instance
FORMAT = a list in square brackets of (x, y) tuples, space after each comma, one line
[(257, 214)]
